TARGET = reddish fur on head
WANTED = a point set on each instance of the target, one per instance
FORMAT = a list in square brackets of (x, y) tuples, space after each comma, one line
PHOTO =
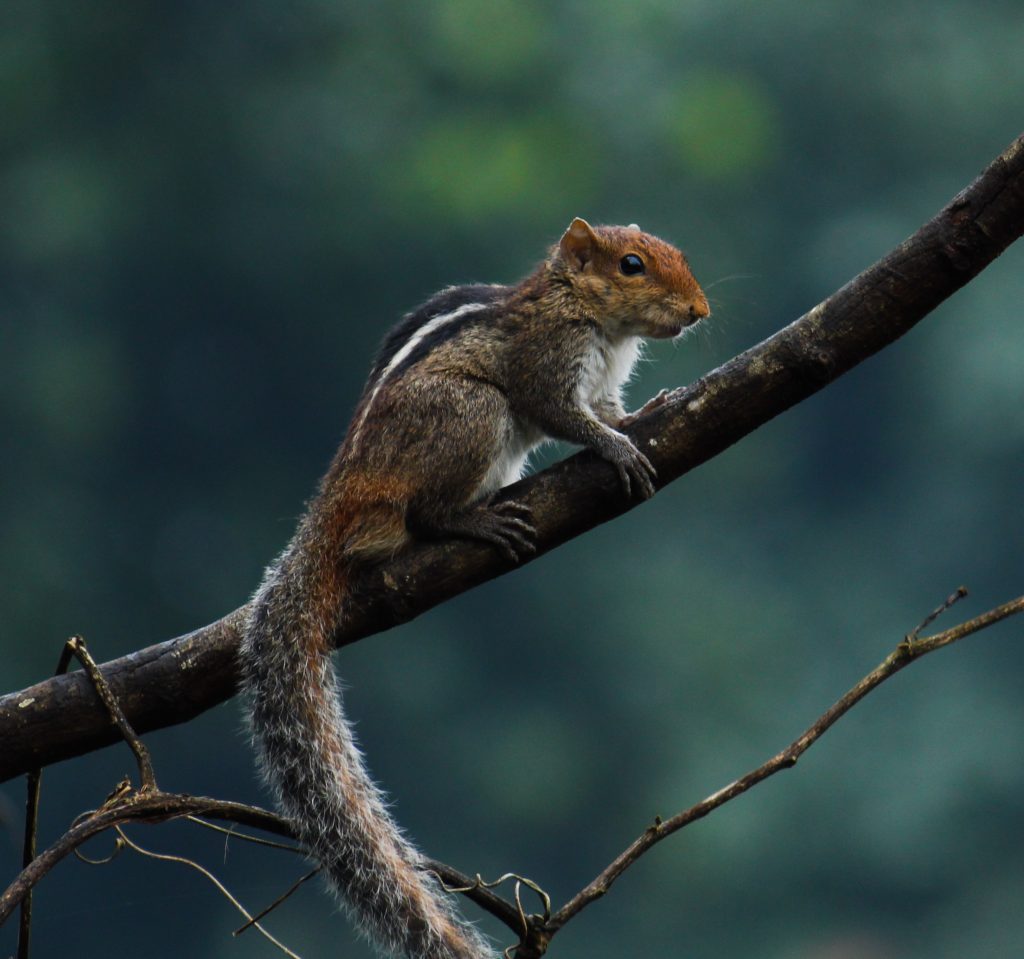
[(657, 302)]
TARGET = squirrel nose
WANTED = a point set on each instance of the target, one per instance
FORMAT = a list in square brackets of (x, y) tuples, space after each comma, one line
[(699, 309)]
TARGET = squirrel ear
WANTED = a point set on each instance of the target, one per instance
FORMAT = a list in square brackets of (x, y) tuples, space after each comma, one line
[(578, 243)]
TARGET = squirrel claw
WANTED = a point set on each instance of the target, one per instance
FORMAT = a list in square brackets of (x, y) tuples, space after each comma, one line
[(505, 525), (659, 399), (636, 472), (514, 508), (640, 479)]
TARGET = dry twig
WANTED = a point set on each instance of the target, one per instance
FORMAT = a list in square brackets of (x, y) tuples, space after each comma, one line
[(910, 649)]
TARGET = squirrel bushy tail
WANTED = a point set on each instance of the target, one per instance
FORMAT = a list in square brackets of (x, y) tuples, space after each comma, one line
[(309, 756)]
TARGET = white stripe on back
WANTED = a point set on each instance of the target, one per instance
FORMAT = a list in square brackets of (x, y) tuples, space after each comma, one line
[(410, 344)]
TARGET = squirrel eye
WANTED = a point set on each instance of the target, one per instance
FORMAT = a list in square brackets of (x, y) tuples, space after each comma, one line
[(631, 265)]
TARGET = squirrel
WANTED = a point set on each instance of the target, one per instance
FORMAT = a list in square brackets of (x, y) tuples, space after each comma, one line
[(462, 390)]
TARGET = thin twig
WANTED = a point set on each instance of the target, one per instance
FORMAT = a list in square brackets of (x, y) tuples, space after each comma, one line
[(34, 787), (146, 775), (28, 854), (525, 922), (950, 600), (119, 847), (474, 890), (232, 833), (254, 921), (904, 654), (166, 857)]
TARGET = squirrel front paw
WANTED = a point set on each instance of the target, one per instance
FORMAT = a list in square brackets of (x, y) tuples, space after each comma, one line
[(635, 469)]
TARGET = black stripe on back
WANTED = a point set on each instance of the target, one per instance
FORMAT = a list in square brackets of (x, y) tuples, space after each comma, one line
[(444, 302), (442, 334)]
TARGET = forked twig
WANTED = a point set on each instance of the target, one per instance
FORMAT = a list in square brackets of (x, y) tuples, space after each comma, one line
[(34, 788), (147, 777), (904, 654)]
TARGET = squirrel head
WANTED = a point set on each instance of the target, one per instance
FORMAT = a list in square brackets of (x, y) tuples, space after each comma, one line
[(632, 283)]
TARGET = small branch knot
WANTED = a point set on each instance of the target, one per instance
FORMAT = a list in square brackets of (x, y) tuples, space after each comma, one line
[(535, 943)]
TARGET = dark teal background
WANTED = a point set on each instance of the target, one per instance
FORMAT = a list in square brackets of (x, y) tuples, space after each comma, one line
[(210, 213)]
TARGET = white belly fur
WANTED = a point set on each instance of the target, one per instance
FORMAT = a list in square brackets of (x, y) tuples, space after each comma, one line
[(508, 465), (607, 368)]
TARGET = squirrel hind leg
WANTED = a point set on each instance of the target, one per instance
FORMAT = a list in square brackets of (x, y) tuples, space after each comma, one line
[(378, 533)]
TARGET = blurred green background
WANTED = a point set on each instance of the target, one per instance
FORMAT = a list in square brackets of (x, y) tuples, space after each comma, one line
[(210, 213)]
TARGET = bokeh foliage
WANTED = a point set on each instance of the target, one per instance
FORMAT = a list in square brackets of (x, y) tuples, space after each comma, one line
[(211, 212)]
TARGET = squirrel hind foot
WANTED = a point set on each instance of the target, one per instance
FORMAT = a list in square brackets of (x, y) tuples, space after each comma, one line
[(505, 525)]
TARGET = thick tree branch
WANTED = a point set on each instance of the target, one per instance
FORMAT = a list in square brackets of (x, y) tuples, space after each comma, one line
[(178, 679)]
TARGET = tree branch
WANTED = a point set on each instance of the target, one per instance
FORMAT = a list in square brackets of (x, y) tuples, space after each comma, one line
[(149, 804), (176, 680), (128, 805), (910, 649)]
